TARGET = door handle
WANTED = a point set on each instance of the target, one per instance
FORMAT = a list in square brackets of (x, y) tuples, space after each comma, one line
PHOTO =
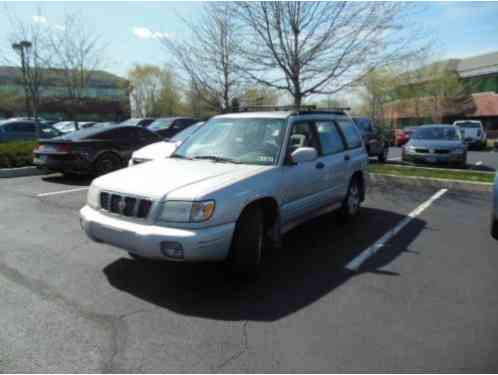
[(347, 157), (319, 165)]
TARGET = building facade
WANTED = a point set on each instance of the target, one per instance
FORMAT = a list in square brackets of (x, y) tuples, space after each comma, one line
[(105, 97), (476, 96)]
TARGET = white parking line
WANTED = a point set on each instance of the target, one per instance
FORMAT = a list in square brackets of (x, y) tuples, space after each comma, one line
[(62, 192), (365, 254)]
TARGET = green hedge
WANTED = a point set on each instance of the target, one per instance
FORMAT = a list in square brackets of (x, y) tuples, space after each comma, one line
[(16, 154)]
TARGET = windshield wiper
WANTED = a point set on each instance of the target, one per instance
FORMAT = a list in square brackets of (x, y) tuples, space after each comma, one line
[(216, 159), (179, 157)]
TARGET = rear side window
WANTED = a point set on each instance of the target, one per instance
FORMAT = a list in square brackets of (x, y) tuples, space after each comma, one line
[(353, 138), (330, 137), (20, 127)]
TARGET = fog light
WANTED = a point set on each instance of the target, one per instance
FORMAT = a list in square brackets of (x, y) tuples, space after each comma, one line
[(172, 249)]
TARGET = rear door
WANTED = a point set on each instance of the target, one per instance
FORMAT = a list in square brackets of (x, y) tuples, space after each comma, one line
[(355, 154)]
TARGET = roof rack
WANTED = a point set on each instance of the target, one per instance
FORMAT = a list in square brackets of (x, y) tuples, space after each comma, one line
[(302, 108)]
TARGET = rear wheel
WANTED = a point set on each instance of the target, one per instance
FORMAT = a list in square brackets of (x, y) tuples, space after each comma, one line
[(494, 228), (247, 243), (107, 163), (351, 204)]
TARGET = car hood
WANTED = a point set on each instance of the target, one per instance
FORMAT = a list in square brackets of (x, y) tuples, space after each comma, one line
[(161, 177), (158, 150), (441, 144)]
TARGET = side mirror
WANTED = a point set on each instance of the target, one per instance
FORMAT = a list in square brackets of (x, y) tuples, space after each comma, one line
[(304, 155)]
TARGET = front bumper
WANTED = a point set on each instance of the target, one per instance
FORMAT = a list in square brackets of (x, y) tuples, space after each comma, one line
[(456, 159), (207, 244)]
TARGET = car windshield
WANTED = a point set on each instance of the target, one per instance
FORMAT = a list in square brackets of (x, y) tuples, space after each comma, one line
[(237, 140), (160, 124), (437, 133), (184, 134), (468, 125)]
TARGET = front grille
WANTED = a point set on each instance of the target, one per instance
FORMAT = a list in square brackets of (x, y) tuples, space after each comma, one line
[(441, 151), (124, 205), (421, 150)]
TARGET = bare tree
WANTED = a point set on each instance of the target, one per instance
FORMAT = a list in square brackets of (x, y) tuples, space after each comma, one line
[(209, 57), (308, 48), (32, 58), (78, 53)]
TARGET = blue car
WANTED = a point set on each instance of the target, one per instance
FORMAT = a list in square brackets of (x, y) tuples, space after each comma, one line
[(24, 130)]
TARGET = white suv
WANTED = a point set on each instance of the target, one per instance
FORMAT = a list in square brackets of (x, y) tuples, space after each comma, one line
[(473, 133), (244, 180)]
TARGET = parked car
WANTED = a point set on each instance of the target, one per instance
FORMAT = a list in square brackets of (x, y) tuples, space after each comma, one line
[(244, 179), (435, 144), (70, 126), (402, 136), (472, 132), (92, 151), (163, 149), (376, 143), (142, 122), (23, 130), (167, 127), (494, 213)]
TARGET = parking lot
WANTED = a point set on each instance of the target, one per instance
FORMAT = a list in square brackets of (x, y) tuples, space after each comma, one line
[(424, 300)]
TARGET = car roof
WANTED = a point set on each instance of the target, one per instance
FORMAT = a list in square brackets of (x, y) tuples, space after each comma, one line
[(436, 126), (476, 121), (268, 114), (90, 132)]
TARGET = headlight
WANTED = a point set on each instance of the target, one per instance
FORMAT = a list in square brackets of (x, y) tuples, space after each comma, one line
[(92, 197), (185, 212), (409, 148)]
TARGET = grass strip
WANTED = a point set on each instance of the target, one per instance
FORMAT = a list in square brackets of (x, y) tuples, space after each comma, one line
[(444, 174)]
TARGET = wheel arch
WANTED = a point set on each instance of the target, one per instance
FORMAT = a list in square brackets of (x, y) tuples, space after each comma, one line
[(361, 178), (271, 215)]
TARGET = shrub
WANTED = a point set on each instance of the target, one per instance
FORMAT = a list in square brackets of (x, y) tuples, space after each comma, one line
[(16, 154)]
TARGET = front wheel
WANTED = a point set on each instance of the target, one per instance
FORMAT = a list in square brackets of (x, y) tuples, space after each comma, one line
[(247, 242), (351, 204)]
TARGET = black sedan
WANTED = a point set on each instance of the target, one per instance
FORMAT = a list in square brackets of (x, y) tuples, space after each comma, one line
[(97, 150)]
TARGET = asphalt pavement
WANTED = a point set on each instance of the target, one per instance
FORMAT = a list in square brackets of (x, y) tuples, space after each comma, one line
[(424, 300), (478, 160)]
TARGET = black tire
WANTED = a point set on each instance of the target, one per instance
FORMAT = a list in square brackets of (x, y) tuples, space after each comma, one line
[(494, 227), (351, 204), (107, 163), (247, 243), (383, 155)]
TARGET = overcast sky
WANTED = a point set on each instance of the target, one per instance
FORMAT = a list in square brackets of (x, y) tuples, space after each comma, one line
[(132, 29)]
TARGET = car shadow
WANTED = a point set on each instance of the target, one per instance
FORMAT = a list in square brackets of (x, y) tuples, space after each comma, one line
[(73, 180), (311, 264)]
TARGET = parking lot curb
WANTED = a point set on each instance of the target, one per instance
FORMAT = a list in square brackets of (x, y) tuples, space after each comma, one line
[(438, 183), (21, 172)]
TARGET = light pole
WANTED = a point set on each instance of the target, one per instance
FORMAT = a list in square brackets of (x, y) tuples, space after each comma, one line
[(21, 48)]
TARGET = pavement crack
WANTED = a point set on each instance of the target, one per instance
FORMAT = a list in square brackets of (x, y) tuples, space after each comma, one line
[(237, 355), (115, 325)]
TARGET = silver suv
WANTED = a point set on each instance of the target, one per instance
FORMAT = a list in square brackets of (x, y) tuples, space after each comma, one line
[(241, 182)]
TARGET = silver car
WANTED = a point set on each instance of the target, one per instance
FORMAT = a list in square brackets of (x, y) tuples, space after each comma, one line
[(435, 144), (243, 181)]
